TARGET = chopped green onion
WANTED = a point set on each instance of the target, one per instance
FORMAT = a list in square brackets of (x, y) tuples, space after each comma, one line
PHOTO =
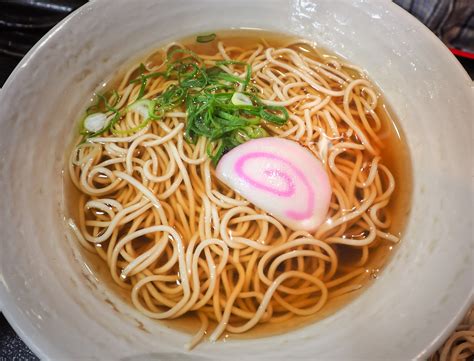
[(140, 126), (220, 106), (205, 38), (275, 114), (142, 107), (192, 55), (240, 99), (95, 122)]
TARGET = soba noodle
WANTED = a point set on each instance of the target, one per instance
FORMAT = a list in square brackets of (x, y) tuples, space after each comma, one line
[(460, 345), (182, 243)]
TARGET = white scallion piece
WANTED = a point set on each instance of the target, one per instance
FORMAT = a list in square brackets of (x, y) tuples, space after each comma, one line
[(240, 99), (141, 107), (95, 122)]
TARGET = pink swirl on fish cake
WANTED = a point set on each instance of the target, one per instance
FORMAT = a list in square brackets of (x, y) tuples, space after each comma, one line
[(287, 179), (281, 177)]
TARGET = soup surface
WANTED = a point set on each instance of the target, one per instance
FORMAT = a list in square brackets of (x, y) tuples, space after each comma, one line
[(181, 245)]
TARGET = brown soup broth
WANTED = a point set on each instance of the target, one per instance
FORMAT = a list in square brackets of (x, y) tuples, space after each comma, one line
[(394, 155)]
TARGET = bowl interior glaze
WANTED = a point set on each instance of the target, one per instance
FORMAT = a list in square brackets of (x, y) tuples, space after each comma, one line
[(62, 311)]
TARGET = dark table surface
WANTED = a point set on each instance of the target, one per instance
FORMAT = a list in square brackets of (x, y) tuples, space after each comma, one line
[(22, 24)]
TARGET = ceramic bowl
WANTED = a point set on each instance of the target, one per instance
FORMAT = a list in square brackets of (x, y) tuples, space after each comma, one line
[(63, 311)]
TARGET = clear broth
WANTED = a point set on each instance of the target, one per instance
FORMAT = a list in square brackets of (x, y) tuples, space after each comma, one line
[(395, 156)]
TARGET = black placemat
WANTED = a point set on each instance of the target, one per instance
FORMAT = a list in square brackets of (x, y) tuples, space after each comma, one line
[(11, 346)]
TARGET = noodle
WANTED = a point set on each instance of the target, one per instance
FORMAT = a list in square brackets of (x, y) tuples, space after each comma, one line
[(181, 242), (460, 345)]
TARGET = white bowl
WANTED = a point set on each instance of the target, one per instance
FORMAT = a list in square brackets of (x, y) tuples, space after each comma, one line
[(62, 311)]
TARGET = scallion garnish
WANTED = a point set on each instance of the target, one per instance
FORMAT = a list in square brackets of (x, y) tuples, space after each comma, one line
[(95, 122), (220, 106), (205, 38)]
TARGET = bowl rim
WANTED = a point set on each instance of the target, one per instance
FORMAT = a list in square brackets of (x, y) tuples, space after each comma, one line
[(22, 325)]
